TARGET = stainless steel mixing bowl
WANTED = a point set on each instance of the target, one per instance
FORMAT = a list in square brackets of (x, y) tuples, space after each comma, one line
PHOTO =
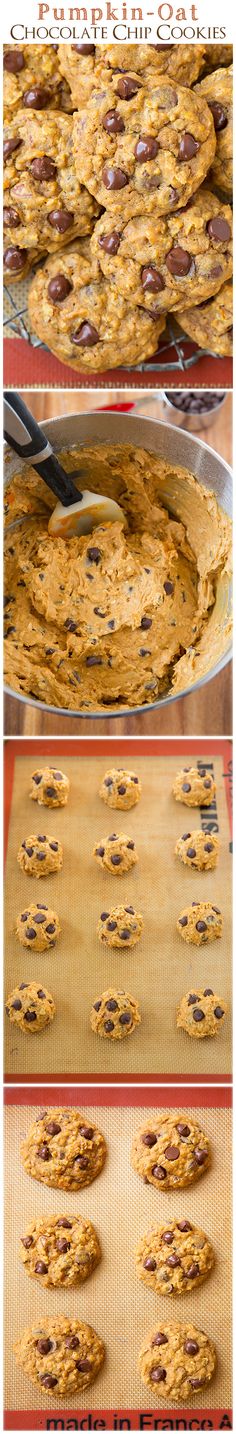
[(176, 447)]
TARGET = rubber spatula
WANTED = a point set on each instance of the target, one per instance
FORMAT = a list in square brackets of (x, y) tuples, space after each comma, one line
[(76, 511)]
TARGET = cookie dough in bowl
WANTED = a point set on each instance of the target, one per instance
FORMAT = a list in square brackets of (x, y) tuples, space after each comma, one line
[(30, 1007), (122, 927), (174, 1258), (40, 855), (194, 786), (120, 789), (116, 854), (177, 1360), (199, 849), (170, 1151), (115, 1015), (61, 1356), (140, 611), (50, 788), (200, 923), (38, 927), (63, 1149), (60, 1250), (201, 1013)]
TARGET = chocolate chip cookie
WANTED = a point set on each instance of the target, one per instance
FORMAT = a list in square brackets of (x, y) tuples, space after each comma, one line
[(116, 854), (196, 788), (154, 265), (122, 926), (216, 55), (40, 855), (83, 319), (201, 1013), (120, 789), (31, 77), (179, 62), (38, 927), (63, 1149), (60, 1355), (174, 1258), (154, 147), (49, 788), (211, 324), (170, 1151), (200, 923), (17, 263), (178, 1359), (45, 206), (30, 1007), (77, 66), (217, 89), (199, 849), (115, 1015), (57, 1250)]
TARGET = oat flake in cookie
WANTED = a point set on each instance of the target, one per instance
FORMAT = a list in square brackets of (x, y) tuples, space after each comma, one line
[(120, 789), (176, 1361), (170, 1152), (49, 787), (60, 1250), (194, 788), (201, 1013), (40, 855), (115, 1015), (38, 927), (146, 152), (180, 261), (116, 854), (200, 923), (174, 1258), (61, 1356), (31, 1007), (64, 1149)]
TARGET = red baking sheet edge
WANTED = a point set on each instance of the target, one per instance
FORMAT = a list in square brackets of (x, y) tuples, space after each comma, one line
[(119, 1419), (28, 367)]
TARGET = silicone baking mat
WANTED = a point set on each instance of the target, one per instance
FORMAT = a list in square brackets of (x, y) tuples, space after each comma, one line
[(161, 968), (114, 1301)]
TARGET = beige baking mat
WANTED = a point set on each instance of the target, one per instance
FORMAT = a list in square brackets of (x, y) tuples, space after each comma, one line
[(114, 1300), (160, 969)]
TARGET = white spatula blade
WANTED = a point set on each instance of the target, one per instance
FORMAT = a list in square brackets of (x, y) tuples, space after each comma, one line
[(82, 517)]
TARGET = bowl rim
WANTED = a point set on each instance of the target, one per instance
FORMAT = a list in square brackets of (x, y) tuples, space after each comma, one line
[(106, 713)]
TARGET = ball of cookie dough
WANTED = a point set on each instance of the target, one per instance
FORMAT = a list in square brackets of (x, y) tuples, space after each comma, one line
[(38, 927), (60, 1250), (199, 849), (122, 926), (170, 1151), (50, 788), (176, 1359), (30, 1007), (174, 1258), (200, 922), (120, 789), (64, 1149), (60, 1355), (40, 855), (115, 1015), (116, 853), (194, 788), (201, 1013)]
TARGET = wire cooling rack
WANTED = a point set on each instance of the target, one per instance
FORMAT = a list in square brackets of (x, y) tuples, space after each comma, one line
[(172, 353)]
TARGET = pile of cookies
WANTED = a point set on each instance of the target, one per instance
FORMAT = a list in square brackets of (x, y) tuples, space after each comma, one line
[(118, 168), (169, 1152)]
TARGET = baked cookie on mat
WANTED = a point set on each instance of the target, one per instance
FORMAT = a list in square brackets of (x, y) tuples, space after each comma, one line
[(60, 1250), (177, 1360), (60, 1355), (170, 1151), (63, 1149), (174, 1258)]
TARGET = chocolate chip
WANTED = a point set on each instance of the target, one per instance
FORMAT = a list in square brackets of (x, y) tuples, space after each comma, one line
[(172, 1152), (30, 1016), (125, 1018), (110, 244), (200, 1155), (111, 925), (100, 851), (10, 216), (149, 1263), (179, 261), (208, 991), (114, 178), (206, 784), (168, 1237), (50, 929), (40, 855), (130, 847), (218, 228), (14, 259), (218, 1012), (84, 50), (125, 934), (219, 115), (9, 147), (146, 148), (53, 845), (183, 920), (30, 933), (146, 622), (44, 1346), (48, 1380), (173, 1261), (62, 1246), (191, 851), (61, 220), (198, 1015), (197, 1383), (159, 1172), (151, 280), (97, 1005), (53, 1128), (81, 1161), (27, 1241), (193, 1272), (43, 168), (13, 61), (158, 1375), (86, 336), (113, 122), (87, 1132), (168, 588), (127, 87), (186, 787), (72, 1341), (116, 860), (108, 1026), (192, 1000), (121, 791), (44, 1153), (93, 661), (183, 1130), (58, 290), (201, 926), (208, 846), (149, 1139), (186, 836), (17, 1005), (64, 1222), (184, 1225), (160, 1338), (191, 1346), (83, 1366), (36, 98), (111, 1005), (188, 147)]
